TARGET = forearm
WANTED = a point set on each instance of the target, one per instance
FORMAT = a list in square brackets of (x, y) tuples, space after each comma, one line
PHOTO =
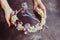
[(39, 2), (5, 6), (41, 5)]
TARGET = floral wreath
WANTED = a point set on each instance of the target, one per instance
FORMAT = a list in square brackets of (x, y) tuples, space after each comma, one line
[(33, 29)]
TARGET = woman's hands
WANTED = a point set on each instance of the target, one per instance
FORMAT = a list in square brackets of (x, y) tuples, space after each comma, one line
[(7, 10), (38, 3)]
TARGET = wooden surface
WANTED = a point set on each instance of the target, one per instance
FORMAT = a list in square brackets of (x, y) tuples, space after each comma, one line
[(53, 23)]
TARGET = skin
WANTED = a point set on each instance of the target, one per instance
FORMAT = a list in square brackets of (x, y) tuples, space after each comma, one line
[(39, 2), (7, 9)]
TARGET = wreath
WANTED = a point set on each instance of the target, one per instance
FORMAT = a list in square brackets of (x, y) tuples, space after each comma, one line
[(34, 28)]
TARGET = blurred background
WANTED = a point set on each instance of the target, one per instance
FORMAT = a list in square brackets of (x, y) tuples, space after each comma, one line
[(53, 22)]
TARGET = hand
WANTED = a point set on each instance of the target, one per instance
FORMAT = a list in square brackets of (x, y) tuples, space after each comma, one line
[(5, 6)]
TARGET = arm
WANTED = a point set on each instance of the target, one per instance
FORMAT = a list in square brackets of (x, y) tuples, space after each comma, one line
[(41, 6), (7, 10), (39, 2)]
